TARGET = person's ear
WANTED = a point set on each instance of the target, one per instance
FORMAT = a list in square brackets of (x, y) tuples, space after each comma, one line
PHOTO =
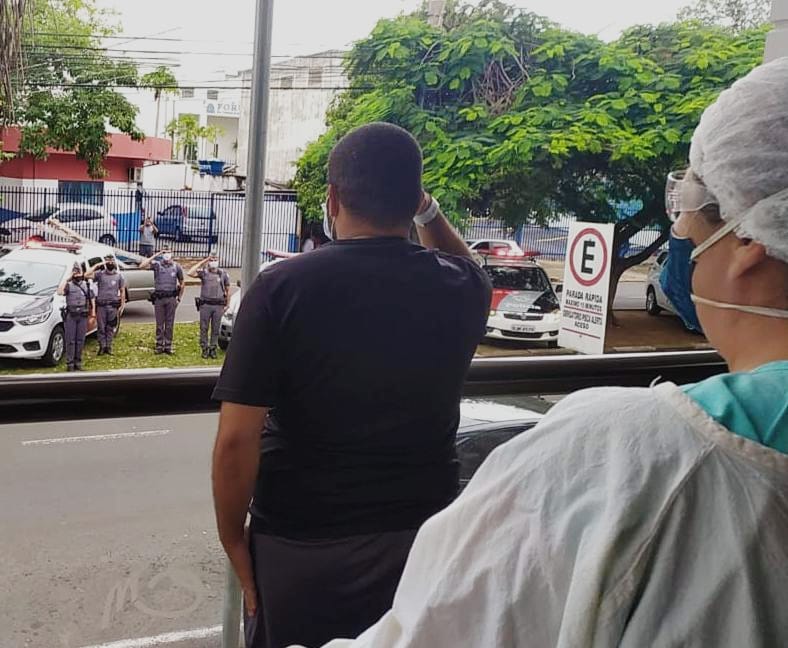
[(332, 202), (745, 257)]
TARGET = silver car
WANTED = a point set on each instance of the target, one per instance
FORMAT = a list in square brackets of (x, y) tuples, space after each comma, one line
[(656, 300)]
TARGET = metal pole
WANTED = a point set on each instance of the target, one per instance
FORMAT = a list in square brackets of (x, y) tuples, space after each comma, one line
[(231, 612), (258, 132), (252, 235), (777, 40)]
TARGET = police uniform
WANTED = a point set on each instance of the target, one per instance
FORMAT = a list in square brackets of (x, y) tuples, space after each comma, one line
[(166, 278), (211, 303), (78, 297), (109, 288)]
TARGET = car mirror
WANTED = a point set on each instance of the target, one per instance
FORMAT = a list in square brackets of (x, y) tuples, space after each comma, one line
[(238, 283), (559, 289)]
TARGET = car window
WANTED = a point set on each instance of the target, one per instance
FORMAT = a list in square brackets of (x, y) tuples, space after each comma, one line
[(518, 278), (173, 210), (661, 258), (94, 261), (28, 278), (482, 247), (77, 215)]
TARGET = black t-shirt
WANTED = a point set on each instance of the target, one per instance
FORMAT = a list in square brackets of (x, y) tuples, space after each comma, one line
[(360, 349)]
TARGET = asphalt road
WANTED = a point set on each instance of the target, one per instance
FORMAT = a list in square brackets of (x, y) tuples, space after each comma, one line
[(83, 519), (631, 295)]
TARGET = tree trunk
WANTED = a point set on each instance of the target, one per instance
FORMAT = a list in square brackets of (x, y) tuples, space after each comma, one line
[(622, 264), (158, 109)]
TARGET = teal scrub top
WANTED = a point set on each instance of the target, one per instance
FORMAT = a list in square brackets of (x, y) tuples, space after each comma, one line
[(752, 404)]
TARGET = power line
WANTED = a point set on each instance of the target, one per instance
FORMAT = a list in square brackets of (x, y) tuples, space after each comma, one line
[(98, 86)]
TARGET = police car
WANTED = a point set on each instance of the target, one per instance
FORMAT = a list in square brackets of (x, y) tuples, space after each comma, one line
[(525, 306), (31, 326)]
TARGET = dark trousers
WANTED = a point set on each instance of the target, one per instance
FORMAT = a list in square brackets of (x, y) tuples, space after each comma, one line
[(76, 328), (107, 317), (210, 316), (146, 250), (316, 590), (164, 310)]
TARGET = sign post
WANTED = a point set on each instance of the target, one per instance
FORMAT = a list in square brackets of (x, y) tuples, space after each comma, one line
[(589, 256)]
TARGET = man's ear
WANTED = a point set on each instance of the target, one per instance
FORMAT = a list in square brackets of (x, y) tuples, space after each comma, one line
[(333, 202), (746, 256)]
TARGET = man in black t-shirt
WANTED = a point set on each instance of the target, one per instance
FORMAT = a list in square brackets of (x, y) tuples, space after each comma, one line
[(351, 359)]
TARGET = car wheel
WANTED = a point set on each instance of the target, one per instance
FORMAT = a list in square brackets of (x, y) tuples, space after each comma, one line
[(652, 307), (552, 344), (56, 348), (107, 239), (223, 344)]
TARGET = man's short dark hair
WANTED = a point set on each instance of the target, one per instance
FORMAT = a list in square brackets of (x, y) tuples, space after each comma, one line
[(376, 170)]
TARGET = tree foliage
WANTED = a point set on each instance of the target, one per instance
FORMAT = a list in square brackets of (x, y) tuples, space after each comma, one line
[(739, 15), (521, 118), (187, 132), (160, 81), (68, 99), (13, 14)]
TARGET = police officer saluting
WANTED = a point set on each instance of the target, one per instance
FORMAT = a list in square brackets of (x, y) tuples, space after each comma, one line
[(167, 292), (212, 301), (110, 300), (79, 306)]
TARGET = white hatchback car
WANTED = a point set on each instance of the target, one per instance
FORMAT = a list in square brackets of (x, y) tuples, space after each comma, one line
[(31, 326), (656, 300)]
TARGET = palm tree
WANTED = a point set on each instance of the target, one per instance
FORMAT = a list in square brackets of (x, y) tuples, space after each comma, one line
[(13, 15), (161, 81)]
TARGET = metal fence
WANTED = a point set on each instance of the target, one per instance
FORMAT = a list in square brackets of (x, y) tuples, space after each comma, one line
[(549, 241), (191, 223)]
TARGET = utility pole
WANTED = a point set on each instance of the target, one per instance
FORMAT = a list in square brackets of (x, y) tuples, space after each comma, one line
[(435, 9), (258, 135), (777, 40)]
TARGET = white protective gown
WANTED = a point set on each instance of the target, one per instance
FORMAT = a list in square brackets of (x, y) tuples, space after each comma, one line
[(627, 517)]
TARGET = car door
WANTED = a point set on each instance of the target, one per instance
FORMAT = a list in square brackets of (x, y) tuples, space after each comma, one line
[(139, 283)]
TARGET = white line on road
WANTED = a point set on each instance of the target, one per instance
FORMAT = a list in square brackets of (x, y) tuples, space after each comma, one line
[(158, 640), (96, 437)]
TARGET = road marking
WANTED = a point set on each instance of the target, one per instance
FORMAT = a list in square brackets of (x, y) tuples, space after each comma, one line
[(96, 437), (158, 640)]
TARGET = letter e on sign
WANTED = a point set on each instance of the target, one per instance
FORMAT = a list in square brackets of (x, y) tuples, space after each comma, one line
[(586, 287)]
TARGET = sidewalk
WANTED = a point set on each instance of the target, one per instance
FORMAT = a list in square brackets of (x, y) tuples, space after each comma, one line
[(636, 331)]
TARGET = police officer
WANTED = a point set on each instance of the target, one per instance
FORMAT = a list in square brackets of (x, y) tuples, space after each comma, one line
[(110, 300), (212, 301), (79, 306), (167, 292)]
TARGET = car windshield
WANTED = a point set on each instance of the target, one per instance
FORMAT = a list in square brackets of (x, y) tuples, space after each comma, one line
[(518, 278), (27, 278)]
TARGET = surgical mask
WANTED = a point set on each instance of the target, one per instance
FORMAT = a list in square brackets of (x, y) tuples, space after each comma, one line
[(110, 266), (328, 228), (213, 265), (167, 257), (676, 279)]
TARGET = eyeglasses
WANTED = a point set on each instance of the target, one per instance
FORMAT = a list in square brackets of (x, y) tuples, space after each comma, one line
[(683, 193)]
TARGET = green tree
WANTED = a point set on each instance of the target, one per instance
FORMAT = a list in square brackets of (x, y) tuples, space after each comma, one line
[(13, 14), (187, 132), (161, 81), (69, 97), (736, 14), (523, 120)]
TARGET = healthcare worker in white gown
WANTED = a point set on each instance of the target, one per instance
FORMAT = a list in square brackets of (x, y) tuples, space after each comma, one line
[(645, 517)]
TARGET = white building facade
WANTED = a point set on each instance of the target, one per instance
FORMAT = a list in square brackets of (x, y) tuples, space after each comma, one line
[(302, 90)]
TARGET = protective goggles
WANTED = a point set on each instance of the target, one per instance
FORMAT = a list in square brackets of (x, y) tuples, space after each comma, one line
[(684, 194)]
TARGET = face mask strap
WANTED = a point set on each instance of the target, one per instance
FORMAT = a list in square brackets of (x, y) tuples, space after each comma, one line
[(720, 234), (754, 310)]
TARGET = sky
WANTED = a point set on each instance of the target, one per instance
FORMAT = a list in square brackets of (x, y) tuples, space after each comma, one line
[(208, 38)]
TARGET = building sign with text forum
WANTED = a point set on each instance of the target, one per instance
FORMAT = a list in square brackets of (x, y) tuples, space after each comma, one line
[(589, 253)]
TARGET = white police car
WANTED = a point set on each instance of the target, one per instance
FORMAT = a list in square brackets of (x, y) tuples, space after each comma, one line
[(31, 326)]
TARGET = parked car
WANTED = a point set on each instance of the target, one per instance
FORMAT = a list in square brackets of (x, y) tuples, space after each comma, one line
[(486, 424), (31, 325), (656, 300), (498, 247), (16, 228), (187, 223), (139, 283), (525, 306), (90, 221)]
